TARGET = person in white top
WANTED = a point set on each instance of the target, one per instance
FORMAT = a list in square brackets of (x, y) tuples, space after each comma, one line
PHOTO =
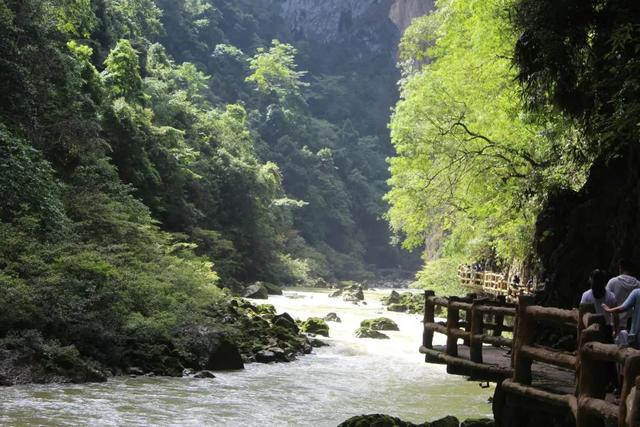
[(598, 295), (621, 286)]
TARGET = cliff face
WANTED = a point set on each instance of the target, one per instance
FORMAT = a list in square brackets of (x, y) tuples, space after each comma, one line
[(403, 12), (379, 23), (579, 231)]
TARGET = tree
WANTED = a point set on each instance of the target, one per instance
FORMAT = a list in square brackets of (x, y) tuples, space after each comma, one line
[(122, 71), (472, 165)]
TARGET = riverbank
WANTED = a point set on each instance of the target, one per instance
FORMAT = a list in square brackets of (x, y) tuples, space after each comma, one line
[(350, 377)]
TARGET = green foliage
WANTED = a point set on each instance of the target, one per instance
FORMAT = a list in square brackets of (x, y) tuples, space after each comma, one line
[(122, 71), (441, 276), (274, 73), (28, 186), (146, 161), (472, 165), (582, 58)]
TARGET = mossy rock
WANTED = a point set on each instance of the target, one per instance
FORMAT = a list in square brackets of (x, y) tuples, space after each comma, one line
[(448, 421), (332, 317), (256, 291), (265, 309), (315, 325), (398, 308), (370, 333), (380, 324), (377, 420), (271, 288), (284, 320), (393, 298), (478, 422)]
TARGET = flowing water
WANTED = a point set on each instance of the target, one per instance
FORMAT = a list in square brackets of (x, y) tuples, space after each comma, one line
[(351, 377)]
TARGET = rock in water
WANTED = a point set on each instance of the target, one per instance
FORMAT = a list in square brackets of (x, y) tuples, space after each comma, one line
[(354, 293), (393, 298), (478, 422), (285, 320), (225, 357), (399, 308), (335, 293), (271, 288), (370, 333), (256, 291), (204, 374), (134, 370), (380, 324), (377, 420), (315, 342), (448, 421), (332, 317), (265, 356), (209, 349), (315, 325)]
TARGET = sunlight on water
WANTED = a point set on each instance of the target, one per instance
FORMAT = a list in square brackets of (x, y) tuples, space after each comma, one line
[(351, 377)]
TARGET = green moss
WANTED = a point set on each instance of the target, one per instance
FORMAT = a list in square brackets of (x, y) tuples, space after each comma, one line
[(315, 325), (380, 324)]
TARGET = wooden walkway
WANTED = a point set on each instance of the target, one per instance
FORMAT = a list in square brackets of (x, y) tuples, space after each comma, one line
[(483, 345), (491, 283)]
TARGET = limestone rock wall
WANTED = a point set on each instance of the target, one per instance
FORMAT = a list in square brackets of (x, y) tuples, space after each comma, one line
[(331, 20)]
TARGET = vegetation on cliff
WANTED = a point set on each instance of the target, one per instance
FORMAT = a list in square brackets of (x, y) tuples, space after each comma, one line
[(153, 153), (480, 146)]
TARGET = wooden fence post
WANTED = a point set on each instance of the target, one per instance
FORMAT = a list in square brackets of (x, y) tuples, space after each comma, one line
[(524, 335), (499, 318), (429, 317), (453, 320), (633, 418), (631, 372), (467, 317), (477, 330)]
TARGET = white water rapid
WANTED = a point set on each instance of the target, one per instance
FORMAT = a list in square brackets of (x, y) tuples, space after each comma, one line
[(350, 377)]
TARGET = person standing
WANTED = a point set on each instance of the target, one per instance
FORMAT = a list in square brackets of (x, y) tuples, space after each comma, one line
[(600, 297), (621, 286)]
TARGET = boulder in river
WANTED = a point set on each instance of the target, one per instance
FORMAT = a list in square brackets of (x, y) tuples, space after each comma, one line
[(204, 374), (399, 308), (271, 288), (256, 291), (478, 422), (353, 294), (285, 320), (265, 356), (377, 420), (315, 325), (315, 342), (332, 317), (380, 324), (393, 298), (447, 421), (335, 293), (134, 370), (370, 333), (210, 350)]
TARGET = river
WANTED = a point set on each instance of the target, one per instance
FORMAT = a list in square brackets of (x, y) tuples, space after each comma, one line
[(350, 377)]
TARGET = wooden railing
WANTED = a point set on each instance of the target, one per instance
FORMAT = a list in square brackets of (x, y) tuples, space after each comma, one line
[(591, 363), (484, 323), (491, 283)]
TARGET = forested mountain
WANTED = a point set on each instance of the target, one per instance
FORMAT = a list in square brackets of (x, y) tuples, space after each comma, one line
[(154, 152)]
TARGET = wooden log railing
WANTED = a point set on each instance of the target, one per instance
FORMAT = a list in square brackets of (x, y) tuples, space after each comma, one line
[(491, 283), (474, 331), (592, 362)]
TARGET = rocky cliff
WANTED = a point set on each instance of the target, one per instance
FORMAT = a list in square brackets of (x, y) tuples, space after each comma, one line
[(367, 20)]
